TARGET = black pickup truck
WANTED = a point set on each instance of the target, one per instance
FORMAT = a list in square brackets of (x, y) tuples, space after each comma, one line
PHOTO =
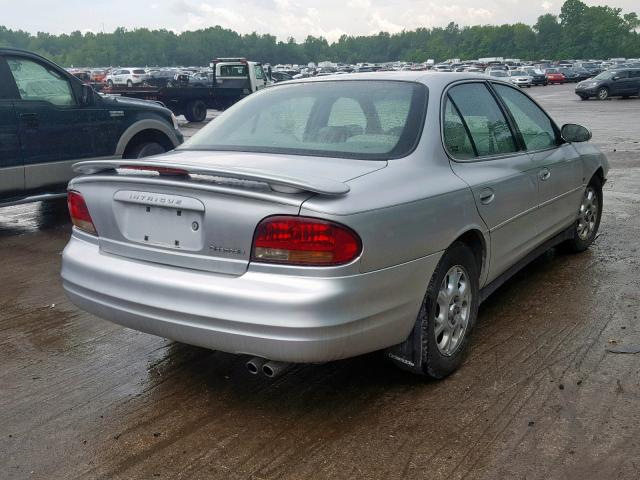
[(49, 120), (229, 80)]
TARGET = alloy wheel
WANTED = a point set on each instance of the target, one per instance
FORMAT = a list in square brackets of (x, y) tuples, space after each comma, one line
[(588, 214), (453, 309)]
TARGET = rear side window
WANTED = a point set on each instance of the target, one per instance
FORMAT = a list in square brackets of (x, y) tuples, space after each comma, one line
[(35, 82), (487, 125), (456, 137), (139, 72), (535, 126), (359, 119)]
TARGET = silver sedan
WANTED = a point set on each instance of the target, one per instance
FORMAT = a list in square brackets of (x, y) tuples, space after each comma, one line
[(322, 219)]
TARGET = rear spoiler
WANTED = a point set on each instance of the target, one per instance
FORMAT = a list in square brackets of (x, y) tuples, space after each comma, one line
[(322, 186)]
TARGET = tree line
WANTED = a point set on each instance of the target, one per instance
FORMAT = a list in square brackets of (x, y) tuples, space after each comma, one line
[(579, 31)]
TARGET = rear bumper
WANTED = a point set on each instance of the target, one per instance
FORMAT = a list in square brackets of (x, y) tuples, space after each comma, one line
[(279, 317)]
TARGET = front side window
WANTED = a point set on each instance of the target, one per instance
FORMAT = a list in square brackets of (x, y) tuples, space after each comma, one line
[(36, 82), (359, 119), (489, 129), (535, 126), (259, 72)]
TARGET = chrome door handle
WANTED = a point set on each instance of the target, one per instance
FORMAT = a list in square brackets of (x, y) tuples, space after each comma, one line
[(544, 174), (486, 196)]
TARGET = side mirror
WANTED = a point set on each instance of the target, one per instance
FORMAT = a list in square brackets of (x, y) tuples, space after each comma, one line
[(87, 96), (615, 78), (571, 132)]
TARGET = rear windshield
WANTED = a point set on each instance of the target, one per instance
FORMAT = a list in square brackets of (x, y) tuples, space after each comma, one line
[(360, 119), (233, 71)]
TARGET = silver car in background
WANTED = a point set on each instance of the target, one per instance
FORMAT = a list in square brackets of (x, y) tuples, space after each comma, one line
[(520, 78), (322, 219)]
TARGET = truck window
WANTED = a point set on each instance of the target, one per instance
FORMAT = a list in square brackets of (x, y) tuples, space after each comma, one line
[(259, 72), (233, 70), (35, 82)]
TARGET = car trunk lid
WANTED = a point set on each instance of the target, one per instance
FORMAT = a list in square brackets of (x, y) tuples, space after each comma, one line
[(201, 213)]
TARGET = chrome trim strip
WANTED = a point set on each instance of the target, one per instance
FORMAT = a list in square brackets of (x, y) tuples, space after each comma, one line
[(562, 195), (514, 218)]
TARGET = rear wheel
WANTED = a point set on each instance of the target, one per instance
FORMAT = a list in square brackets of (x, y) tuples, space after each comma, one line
[(448, 313), (603, 93), (589, 215), (196, 111), (129, 83), (146, 149)]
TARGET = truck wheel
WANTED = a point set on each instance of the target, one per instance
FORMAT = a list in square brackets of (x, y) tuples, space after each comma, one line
[(196, 111), (146, 149)]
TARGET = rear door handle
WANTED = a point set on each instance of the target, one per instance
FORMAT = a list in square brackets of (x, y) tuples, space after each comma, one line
[(544, 174), (30, 119), (486, 196)]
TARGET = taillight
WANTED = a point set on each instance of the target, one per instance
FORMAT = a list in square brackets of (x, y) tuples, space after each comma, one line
[(80, 213), (304, 241)]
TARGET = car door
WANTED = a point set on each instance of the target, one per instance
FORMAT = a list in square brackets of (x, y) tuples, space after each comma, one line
[(485, 153), (53, 127), (634, 80), (11, 165), (558, 164), (621, 83)]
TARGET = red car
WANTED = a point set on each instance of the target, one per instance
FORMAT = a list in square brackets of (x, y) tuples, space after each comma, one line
[(554, 76)]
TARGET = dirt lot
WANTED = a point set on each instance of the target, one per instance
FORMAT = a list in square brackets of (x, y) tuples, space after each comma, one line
[(539, 397)]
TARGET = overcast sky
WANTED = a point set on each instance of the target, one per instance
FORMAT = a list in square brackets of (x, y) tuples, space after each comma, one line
[(283, 18)]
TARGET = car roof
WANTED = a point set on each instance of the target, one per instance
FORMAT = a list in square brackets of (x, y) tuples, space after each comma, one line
[(436, 80)]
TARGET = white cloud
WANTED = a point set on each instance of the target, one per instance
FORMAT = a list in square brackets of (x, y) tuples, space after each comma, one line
[(282, 18), (362, 4)]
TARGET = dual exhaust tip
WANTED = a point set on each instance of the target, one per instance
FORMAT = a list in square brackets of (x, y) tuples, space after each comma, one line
[(268, 368)]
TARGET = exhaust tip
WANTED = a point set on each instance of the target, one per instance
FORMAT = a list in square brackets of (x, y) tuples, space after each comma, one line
[(274, 369), (255, 365)]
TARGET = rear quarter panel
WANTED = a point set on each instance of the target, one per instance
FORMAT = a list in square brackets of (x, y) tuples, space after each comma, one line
[(406, 211)]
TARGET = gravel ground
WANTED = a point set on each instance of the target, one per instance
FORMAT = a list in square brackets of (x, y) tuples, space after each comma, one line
[(538, 398)]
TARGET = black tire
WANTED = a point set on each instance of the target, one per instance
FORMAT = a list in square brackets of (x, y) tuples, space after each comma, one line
[(196, 111), (146, 149), (603, 93), (435, 364), (129, 84), (579, 244), (110, 83)]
